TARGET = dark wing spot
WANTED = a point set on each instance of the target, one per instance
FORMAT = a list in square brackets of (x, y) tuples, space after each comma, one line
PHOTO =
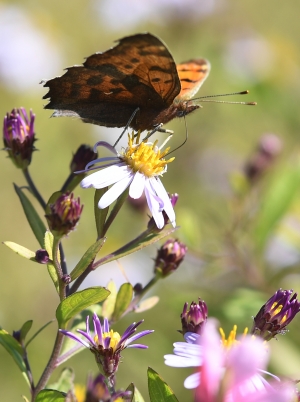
[(96, 80), (134, 60), (164, 70), (128, 66), (155, 80), (188, 80)]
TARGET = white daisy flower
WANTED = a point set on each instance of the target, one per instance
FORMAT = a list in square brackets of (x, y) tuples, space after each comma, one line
[(137, 167)]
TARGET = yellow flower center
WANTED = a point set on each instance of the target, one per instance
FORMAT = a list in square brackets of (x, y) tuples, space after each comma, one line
[(231, 340), (144, 157), (114, 338)]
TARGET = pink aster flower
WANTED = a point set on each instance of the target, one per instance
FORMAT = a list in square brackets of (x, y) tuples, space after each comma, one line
[(138, 168), (228, 374)]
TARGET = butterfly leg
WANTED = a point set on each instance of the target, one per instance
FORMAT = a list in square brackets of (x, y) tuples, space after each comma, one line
[(127, 125)]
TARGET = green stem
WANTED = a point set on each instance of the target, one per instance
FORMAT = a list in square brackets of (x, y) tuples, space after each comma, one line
[(50, 366), (33, 189)]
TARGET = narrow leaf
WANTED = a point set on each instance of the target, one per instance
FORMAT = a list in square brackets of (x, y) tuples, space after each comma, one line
[(136, 395), (15, 350), (124, 298), (48, 244), (38, 331), (22, 251), (25, 329), (87, 258), (77, 302), (145, 239), (100, 214), (277, 202), (159, 390), (108, 305), (50, 395), (147, 304), (35, 222)]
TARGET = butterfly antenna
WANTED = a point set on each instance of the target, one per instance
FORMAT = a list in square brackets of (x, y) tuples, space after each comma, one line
[(127, 125), (186, 138), (205, 98)]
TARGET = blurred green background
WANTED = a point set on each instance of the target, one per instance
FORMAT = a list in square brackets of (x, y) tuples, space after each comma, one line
[(251, 45)]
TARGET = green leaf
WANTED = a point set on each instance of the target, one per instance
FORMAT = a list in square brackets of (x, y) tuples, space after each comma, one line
[(136, 395), (144, 240), (147, 304), (77, 302), (22, 251), (65, 381), (50, 395), (109, 304), (48, 244), (35, 222), (277, 202), (124, 298), (159, 390), (25, 329), (87, 258), (15, 350), (70, 348), (100, 214)]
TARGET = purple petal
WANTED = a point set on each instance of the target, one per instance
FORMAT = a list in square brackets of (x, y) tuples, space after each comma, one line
[(138, 346), (105, 325), (137, 336), (98, 329), (75, 338)]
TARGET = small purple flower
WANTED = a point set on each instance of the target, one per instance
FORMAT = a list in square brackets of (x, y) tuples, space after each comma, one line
[(106, 344), (169, 257), (194, 318), (19, 137), (274, 316), (64, 214)]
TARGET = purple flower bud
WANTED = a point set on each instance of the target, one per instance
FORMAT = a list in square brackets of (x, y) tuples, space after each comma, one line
[(274, 316), (82, 157), (268, 149), (169, 257), (19, 137), (42, 256), (64, 214), (194, 318), (97, 390)]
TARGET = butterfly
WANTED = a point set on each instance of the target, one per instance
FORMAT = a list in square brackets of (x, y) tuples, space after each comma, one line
[(137, 79)]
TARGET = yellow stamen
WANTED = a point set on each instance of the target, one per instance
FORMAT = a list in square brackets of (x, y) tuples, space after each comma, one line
[(114, 339), (231, 340), (277, 308), (144, 157), (80, 392)]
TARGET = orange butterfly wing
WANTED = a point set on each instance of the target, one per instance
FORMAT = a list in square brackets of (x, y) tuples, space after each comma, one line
[(139, 72), (192, 74)]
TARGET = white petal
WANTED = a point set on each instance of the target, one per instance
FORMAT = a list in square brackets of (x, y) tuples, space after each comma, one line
[(106, 177), (163, 195), (137, 186), (113, 193), (155, 205), (192, 381)]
